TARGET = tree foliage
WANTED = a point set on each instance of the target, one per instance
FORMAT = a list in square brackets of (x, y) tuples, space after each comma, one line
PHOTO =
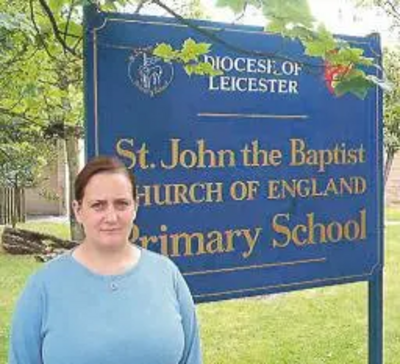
[(391, 8), (392, 108), (41, 90), (23, 156), (392, 100), (24, 164)]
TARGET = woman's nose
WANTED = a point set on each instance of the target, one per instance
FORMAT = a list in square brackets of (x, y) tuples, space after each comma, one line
[(111, 214)]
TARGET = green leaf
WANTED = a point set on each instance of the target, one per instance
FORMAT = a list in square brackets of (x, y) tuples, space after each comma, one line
[(73, 28), (202, 69), (165, 51), (56, 5), (276, 26), (321, 44), (191, 50), (300, 32), (30, 90), (189, 69), (356, 83), (316, 48), (109, 5)]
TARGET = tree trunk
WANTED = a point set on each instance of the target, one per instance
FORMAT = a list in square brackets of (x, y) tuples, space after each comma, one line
[(16, 211), (72, 154), (43, 246), (388, 165)]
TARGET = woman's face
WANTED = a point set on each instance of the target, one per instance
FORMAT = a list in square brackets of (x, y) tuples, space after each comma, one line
[(107, 210)]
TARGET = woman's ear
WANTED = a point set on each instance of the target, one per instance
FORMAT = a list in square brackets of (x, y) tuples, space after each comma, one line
[(76, 206), (135, 210)]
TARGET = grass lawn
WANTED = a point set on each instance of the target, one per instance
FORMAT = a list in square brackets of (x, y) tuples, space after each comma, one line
[(318, 326), (392, 214)]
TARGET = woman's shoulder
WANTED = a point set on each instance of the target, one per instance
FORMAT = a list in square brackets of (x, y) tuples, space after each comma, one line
[(155, 257), (50, 274), (58, 261), (52, 269), (157, 261)]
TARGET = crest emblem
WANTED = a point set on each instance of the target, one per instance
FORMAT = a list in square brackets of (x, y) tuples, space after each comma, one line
[(150, 74)]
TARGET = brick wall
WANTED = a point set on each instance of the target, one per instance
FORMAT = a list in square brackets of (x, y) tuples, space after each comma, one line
[(49, 197), (392, 193)]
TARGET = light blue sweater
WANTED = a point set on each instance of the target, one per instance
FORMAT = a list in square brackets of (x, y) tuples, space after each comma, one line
[(69, 315)]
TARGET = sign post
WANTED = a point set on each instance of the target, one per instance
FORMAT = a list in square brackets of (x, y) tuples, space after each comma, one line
[(255, 181), (375, 311)]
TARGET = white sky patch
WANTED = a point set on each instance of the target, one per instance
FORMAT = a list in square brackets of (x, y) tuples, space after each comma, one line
[(342, 16), (339, 16)]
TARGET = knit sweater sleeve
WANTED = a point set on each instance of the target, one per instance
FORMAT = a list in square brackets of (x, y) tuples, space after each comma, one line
[(192, 349), (26, 330)]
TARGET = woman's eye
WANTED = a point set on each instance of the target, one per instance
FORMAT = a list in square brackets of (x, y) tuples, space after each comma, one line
[(122, 204), (97, 206)]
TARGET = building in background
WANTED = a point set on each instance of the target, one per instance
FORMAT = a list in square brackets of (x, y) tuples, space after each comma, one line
[(392, 190), (51, 196)]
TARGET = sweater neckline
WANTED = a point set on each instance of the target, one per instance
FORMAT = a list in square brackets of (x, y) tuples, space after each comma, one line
[(109, 277)]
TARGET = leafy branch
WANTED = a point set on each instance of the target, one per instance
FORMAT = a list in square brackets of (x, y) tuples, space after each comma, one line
[(188, 56), (215, 39), (56, 31)]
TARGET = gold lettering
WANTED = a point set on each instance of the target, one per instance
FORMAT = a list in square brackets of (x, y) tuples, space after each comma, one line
[(297, 155), (250, 240), (174, 155), (319, 232), (311, 228), (331, 188), (230, 235), (351, 225), (330, 232), (272, 190), (126, 153), (215, 244), (187, 239), (191, 244), (313, 187), (281, 229), (199, 157), (363, 215), (295, 235), (339, 154), (174, 194), (164, 239)]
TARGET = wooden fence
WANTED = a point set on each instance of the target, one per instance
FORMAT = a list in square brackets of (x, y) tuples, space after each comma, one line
[(12, 205)]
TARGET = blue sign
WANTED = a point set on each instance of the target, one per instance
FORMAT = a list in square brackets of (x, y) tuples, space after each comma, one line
[(254, 181)]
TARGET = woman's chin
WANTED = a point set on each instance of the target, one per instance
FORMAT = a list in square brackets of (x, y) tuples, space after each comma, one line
[(113, 242)]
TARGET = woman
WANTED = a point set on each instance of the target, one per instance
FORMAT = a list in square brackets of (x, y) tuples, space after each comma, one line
[(107, 301)]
